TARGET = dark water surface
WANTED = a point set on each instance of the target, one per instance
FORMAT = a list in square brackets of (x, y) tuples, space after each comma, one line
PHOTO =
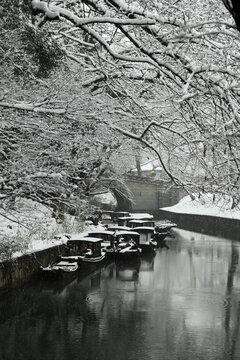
[(182, 305)]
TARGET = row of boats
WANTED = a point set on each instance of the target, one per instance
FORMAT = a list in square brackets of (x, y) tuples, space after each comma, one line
[(123, 236)]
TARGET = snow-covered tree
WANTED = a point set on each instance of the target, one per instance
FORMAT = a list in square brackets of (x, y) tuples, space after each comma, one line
[(162, 75), (53, 148), (171, 76)]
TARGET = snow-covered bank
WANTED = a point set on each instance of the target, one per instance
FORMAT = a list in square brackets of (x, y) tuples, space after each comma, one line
[(30, 227), (206, 204)]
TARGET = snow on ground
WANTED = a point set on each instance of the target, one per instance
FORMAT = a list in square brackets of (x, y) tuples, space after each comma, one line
[(206, 204), (106, 198), (30, 227)]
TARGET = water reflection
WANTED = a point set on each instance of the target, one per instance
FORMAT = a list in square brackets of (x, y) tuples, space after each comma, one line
[(180, 305)]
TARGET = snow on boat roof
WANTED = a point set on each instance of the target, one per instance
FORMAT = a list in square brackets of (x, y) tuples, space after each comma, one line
[(138, 221), (137, 217), (126, 233), (139, 228), (166, 225), (85, 238), (141, 216), (66, 263), (121, 212)]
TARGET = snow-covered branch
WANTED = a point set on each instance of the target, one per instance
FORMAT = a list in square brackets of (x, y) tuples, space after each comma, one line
[(54, 12), (32, 107)]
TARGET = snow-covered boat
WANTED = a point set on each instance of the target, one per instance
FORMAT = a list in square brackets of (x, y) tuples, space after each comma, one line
[(146, 242), (107, 237), (164, 226), (59, 269), (128, 251), (138, 222), (86, 258), (118, 214), (125, 220), (127, 245), (85, 250)]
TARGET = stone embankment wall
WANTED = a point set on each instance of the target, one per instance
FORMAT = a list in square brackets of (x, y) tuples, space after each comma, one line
[(20, 270), (211, 225)]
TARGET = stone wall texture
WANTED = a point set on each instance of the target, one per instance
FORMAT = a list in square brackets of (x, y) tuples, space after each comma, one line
[(150, 196), (211, 225), (20, 270)]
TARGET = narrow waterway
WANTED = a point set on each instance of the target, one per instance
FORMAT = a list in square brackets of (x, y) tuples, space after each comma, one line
[(182, 305)]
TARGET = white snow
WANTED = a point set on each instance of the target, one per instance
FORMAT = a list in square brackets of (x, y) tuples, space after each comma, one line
[(140, 216), (34, 229), (152, 165), (106, 198), (206, 205)]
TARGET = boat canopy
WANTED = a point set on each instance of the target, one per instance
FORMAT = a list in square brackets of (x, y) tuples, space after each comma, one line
[(138, 221), (85, 239), (144, 228), (119, 233), (141, 216), (125, 218)]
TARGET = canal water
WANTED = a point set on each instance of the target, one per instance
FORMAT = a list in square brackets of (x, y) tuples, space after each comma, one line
[(184, 304)]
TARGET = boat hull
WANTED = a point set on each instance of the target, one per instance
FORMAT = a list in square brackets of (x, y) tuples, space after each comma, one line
[(147, 250), (128, 255)]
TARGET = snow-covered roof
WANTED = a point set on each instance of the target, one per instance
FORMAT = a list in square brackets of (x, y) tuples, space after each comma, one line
[(84, 238), (145, 228), (141, 216), (66, 263), (126, 233), (138, 221)]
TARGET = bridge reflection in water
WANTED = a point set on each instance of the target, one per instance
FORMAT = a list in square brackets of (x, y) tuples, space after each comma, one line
[(182, 305)]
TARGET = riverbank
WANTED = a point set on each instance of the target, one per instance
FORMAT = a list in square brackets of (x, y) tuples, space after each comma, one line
[(16, 272), (23, 265), (205, 214)]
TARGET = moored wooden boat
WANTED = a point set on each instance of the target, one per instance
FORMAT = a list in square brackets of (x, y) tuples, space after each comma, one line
[(59, 269), (138, 222), (125, 220), (85, 250), (106, 236), (164, 226), (146, 242), (127, 245), (128, 251)]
